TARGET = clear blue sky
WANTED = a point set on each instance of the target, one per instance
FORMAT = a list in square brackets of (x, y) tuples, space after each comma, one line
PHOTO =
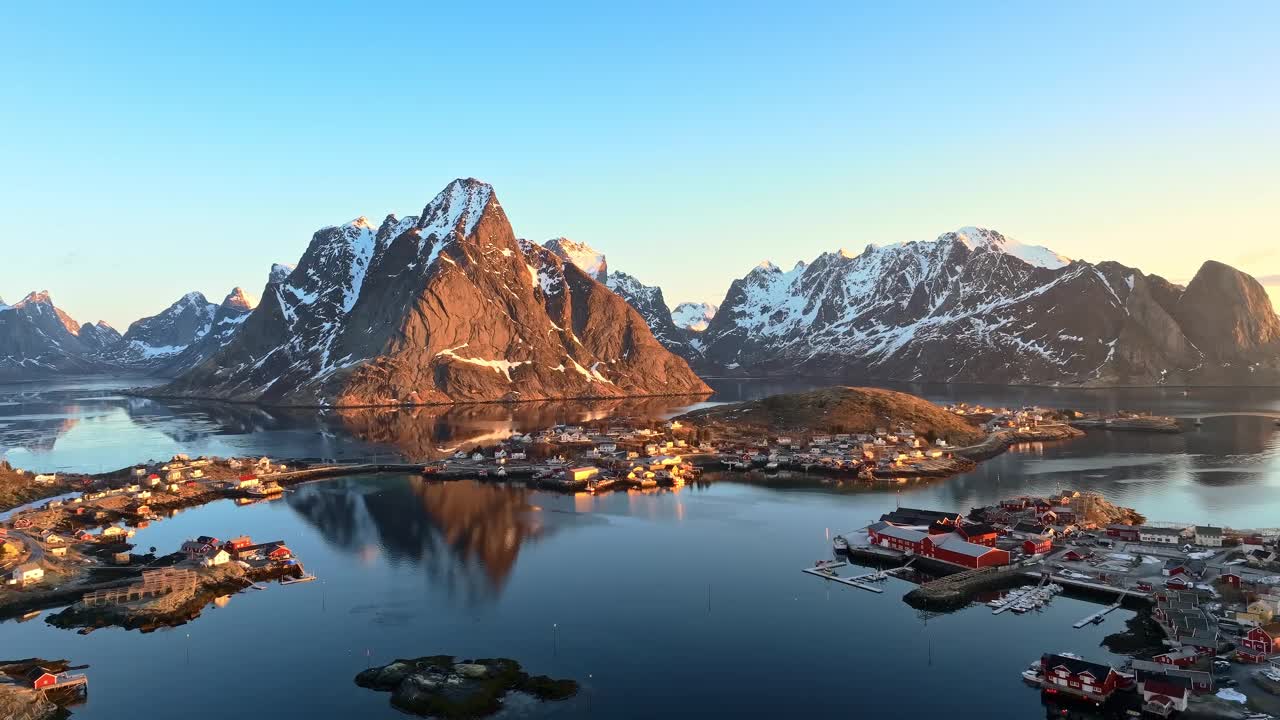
[(152, 149)]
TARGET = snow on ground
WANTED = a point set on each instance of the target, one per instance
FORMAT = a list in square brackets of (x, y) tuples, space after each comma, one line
[(1233, 695)]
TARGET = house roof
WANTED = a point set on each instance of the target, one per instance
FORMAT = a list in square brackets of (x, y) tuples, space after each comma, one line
[(972, 529), (28, 567), (900, 533), (1161, 531), (915, 516), (1163, 683), (1027, 526), (1209, 530), (1076, 666), (957, 544)]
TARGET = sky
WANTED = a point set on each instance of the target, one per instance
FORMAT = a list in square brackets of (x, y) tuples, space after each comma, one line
[(147, 150)]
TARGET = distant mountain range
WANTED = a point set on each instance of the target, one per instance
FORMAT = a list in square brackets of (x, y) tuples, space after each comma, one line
[(974, 306), (450, 306)]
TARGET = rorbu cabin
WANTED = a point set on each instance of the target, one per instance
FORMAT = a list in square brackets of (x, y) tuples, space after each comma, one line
[(40, 678), (1081, 678)]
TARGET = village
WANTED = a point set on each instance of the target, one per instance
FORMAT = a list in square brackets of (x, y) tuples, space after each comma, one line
[(76, 548), (1212, 594), (73, 549)]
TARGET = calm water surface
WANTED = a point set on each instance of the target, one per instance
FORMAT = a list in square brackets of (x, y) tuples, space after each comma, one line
[(686, 603)]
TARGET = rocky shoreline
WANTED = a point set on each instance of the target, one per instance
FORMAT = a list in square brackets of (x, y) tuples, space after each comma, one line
[(171, 610), (437, 686)]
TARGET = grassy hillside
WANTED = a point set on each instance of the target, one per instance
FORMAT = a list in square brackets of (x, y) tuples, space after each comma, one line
[(840, 410)]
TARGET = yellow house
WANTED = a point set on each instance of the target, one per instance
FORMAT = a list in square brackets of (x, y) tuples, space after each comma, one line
[(582, 473), (1262, 610)]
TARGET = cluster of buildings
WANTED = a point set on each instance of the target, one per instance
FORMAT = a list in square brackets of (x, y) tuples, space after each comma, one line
[(942, 536), (1003, 418), (208, 551), (882, 450), (1202, 535), (1162, 691)]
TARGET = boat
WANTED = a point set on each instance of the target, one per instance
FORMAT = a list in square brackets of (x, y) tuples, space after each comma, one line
[(771, 466), (839, 543), (1033, 674)]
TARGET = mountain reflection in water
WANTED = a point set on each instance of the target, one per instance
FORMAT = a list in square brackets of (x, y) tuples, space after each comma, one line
[(466, 535), (437, 431)]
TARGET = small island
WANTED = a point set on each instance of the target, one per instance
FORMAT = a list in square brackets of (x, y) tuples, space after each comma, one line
[(437, 686)]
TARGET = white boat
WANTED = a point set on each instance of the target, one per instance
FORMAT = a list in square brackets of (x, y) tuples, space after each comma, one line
[(839, 543)]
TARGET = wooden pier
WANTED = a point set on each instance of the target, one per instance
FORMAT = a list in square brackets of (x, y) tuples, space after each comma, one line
[(1097, 617), (823, 570)]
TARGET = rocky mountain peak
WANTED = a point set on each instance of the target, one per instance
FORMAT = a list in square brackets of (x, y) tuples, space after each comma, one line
[(693, 316), (444, 307), (977, 238), (458, 207), (279, 271), (35, 297), (1227, 313), (237, 300), (587, 258)]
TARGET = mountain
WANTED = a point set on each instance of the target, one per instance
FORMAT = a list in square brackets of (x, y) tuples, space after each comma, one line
[(1227, 314), (151, 341), (646, 299), (227, 319), (441, 307), (37, 339), (99, 337), (974, 306), (693, 316), (581, 254)]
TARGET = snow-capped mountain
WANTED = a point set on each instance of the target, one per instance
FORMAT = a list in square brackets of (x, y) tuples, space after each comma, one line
[(974, 306), (150, 341), (99, 337), (646, 299), (226, 321), (37, 339), (693, 316), (443, 306), (587, 258)]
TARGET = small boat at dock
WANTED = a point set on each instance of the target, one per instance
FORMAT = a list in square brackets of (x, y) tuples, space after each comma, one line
[(839, 543)]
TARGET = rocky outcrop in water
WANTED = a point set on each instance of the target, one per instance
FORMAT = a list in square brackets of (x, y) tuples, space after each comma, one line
[(439, 687)]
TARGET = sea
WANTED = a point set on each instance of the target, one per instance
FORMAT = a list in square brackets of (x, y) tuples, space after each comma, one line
[(678, 603)]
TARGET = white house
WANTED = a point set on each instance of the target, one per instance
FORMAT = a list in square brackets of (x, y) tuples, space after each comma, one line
[(1208, 536), (26, 574), (1160, 536), (217, 557), (45, 479)]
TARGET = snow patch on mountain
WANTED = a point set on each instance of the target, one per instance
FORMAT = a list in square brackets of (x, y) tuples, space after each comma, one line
[(693, 316), (587, 258)]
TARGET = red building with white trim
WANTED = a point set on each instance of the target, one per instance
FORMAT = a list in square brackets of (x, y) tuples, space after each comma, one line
[(1073, 676), (1260, 643)]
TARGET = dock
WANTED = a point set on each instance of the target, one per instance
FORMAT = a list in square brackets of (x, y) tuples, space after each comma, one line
[(1013, 598), (1097, 617), (824, 571)]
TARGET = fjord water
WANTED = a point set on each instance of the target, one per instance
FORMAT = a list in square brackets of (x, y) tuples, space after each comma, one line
[(685, 603)]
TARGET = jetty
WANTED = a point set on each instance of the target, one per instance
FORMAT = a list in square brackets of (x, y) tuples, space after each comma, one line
[(1098, 616)]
